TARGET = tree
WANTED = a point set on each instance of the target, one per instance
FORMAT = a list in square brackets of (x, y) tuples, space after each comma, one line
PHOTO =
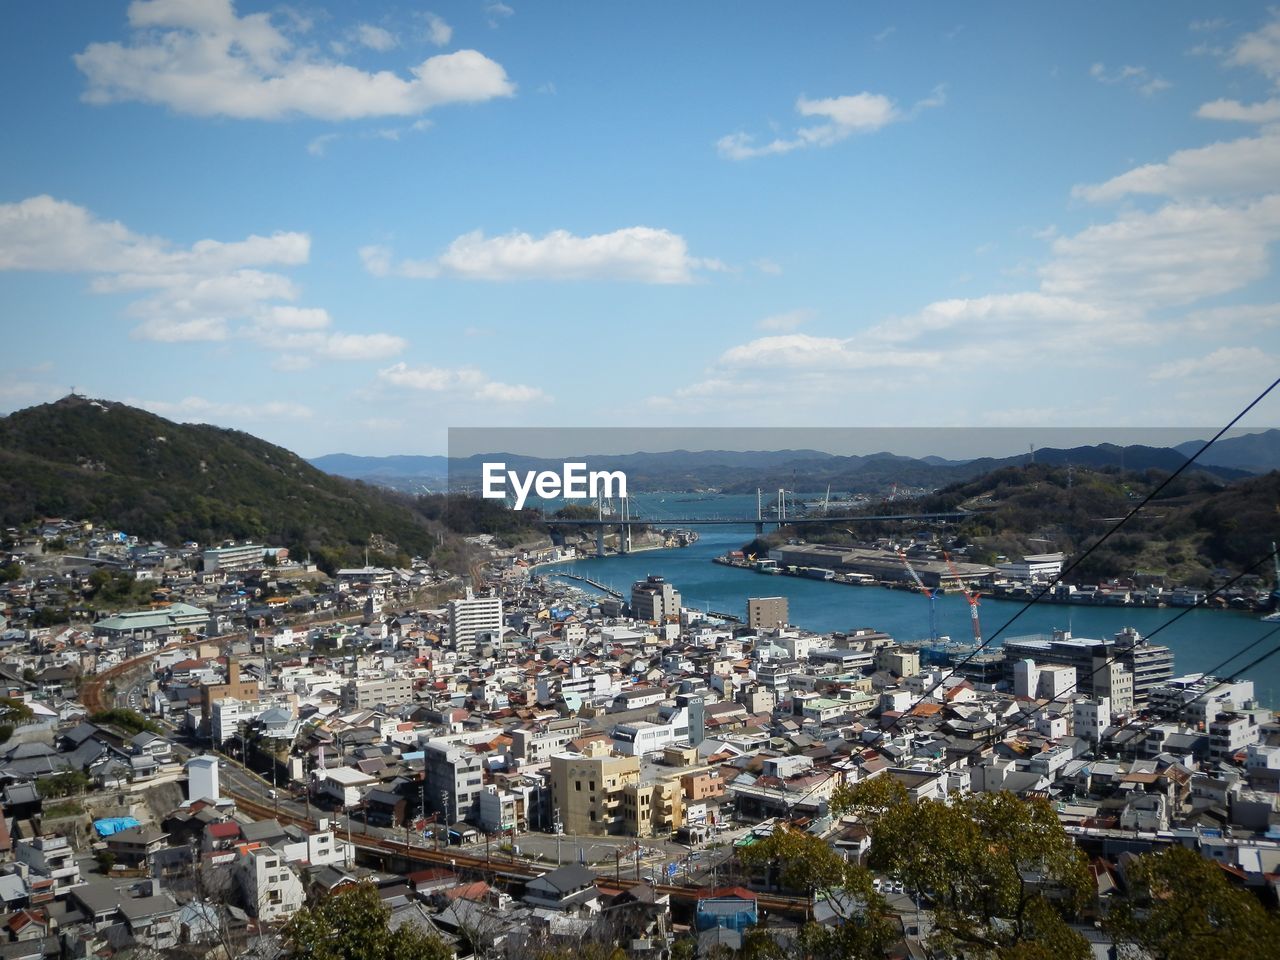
[(1181, 907), (802, 862), (1000, 872), (353, 924)]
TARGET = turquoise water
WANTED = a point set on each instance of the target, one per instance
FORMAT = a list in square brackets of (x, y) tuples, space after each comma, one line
[(1200, 640)]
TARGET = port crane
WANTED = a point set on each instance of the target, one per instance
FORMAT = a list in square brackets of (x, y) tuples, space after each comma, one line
[(930, 595), (970, 595)]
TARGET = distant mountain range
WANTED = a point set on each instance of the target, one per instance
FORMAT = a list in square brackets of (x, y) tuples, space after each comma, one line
[(735, 471)]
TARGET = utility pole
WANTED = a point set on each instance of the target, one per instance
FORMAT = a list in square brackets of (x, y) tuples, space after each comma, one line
[(559, 833)]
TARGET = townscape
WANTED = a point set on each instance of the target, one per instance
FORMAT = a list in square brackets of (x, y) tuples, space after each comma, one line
[(526, 764)]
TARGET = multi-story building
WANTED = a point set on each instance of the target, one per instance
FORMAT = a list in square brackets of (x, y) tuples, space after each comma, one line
[(472, 617), (1091, 717), (1151, 665), (246, 689), (652, 808), (374, 691), (1231, 733), (455, 780), (536, 746), (643, 737), (587, 789), (654, 599), (766, 613), (272, 891), (53, 858), (228, 714), (232, 556)]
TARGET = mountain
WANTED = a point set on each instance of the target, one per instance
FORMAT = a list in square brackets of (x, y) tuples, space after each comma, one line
[(132, 470), (743, 471), (1255, 452)]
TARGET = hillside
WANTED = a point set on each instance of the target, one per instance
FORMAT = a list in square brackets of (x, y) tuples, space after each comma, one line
[(129, 469), (1199, 524)]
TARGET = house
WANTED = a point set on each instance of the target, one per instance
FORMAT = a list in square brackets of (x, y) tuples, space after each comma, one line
[(151, 921), (733, 908), (135, 845), (570, 889)]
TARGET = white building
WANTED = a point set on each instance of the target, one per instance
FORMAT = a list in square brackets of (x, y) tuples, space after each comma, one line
[(322, 848), (1091, 717), (643, 737), (345, 785), (272, 891), (235, 556), (202, 778), (53, 858), (1039, 567), (472, 617)]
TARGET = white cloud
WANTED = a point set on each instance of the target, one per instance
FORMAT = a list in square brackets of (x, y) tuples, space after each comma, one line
[(211, 290), (163, 330), (497, 12), (201, 410), (1232, 362), (1139, 78), (785, 321), (463, 381), (375, 38), (1266, 111), (799, 350), (1178, 254), (297, 318), (318, 145), (199, 57), (1260, 49), (1244, 166), (641, 254), (884, 34), (438, 32), (844, 116)]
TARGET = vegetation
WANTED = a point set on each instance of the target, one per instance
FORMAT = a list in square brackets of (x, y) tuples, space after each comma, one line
[(129, 720), (131, 470), (353, 924), (807, 864), (1196, 525), (1001, 874), (65, 784), (1180, 907)]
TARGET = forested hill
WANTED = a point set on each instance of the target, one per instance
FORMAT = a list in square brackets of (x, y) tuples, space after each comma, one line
[(132, 470), (1197, 525)]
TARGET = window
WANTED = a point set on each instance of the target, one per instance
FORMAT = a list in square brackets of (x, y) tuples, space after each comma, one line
[(577, 785)]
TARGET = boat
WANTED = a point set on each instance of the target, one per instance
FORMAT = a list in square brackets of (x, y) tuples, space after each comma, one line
[(1272, 617)]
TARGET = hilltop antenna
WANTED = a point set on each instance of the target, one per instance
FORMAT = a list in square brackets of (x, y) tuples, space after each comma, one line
[(1031, 453)]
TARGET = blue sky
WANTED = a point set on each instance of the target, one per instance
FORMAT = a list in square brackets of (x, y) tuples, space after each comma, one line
[(353, 226)]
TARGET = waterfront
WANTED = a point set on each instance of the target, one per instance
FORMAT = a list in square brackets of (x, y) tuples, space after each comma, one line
[(1200, 640)]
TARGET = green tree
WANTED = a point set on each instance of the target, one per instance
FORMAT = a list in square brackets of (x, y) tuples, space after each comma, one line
[(130, 720), (1181, 907), (1000, 872), (353, 924), (62, 784), (807, 864)]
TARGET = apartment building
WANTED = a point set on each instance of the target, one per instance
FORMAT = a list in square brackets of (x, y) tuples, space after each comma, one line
[(374, 691), (472, 617), (766, 613), (52, 858), (272, 891), (587, 789), (653, 808), (654, 599), (455, 780), (537, 746)]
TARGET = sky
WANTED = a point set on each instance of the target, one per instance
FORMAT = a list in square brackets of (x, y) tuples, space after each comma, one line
[(351, 227)]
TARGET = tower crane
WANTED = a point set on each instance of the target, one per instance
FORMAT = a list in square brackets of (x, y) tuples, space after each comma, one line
[(970, 595), (930, 595)]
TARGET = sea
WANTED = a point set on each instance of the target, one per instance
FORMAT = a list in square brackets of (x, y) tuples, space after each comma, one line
[(1201, 640)]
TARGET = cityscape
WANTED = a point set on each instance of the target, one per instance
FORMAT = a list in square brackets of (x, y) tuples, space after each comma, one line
[(486, 481)]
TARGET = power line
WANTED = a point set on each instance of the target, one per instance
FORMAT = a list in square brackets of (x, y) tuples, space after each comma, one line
[(1084, 556)]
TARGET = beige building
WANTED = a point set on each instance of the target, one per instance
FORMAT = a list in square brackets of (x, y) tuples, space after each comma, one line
[(587, 789), (652, 808), (766, 613)]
